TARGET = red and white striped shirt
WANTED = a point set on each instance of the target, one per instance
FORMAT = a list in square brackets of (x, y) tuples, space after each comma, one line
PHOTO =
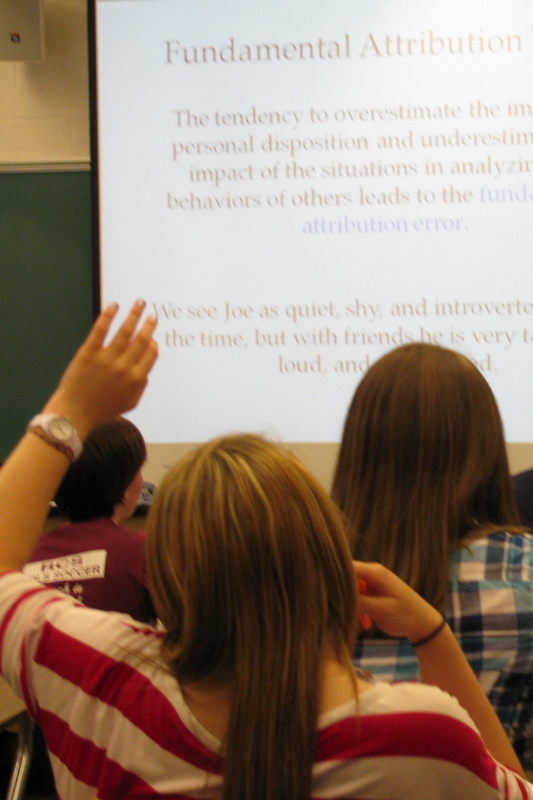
[(117, 726)]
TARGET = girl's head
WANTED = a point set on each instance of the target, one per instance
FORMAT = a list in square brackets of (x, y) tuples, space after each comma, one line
[(97, 482), (251, 576), (422, 462), (245, 548)]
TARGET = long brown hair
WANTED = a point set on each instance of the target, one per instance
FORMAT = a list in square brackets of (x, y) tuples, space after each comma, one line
[(422, 464), (251, 576)]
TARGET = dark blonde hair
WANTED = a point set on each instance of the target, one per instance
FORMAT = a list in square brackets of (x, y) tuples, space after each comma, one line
[(422, 464), (251, 577)]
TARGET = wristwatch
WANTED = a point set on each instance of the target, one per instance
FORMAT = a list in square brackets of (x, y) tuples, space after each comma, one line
[(59, 432)]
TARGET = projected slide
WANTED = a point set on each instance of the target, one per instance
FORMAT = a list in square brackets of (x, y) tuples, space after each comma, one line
[(296, 188)]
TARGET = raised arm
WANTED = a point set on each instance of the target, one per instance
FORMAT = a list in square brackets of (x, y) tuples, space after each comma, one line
[(399, 611), (101, 381)]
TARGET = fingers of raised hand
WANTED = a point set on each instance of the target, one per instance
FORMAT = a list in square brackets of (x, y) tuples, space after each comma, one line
[(105, 380), (96, 337), (131, 354), (125, 335), (129, 346), (142, 348)]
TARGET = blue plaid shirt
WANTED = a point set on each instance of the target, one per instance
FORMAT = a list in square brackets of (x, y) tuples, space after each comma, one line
[(490, 610)]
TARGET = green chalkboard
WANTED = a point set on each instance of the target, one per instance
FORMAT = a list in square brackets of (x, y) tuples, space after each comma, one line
[(46, 287)]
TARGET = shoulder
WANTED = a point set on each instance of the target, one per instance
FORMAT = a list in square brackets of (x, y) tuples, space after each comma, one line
[(124, 534), (523, 480), (500, 555), (411, 696), (413, 707), (426, 722), (40, 625), (26, 605), (96, 532), (70, 534), (415, 738)]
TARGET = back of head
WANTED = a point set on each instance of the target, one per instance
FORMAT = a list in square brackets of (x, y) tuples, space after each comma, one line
[(422, 463), (251, 576), (95, 483)]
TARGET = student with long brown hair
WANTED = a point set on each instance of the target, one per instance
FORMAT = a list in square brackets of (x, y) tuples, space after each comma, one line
[(423, 481), (249, 692)]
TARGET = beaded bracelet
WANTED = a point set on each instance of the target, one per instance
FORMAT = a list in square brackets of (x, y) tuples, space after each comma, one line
[(431, 635)]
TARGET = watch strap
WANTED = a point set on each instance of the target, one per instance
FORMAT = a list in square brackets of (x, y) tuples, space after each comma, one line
[(71, 447)]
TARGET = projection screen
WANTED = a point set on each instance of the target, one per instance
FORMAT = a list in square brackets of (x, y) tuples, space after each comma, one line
[(296, 188)]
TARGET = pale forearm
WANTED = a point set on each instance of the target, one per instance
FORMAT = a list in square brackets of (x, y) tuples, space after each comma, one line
[(443, 664), (28, 481), (100, 382), (400, 612)]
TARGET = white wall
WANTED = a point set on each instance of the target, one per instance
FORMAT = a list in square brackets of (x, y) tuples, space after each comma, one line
[(44, 106)]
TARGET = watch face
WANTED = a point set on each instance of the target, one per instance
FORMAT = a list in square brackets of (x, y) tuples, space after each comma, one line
[(61, 428)]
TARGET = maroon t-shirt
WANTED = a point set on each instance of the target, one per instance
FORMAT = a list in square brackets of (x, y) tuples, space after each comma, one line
[(99, 563)]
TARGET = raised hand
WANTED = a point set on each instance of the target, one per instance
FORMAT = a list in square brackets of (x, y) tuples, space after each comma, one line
[(105, 380), (100, 382)]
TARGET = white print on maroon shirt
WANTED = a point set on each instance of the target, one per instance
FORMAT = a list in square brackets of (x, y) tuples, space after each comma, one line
[(76, 567)]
